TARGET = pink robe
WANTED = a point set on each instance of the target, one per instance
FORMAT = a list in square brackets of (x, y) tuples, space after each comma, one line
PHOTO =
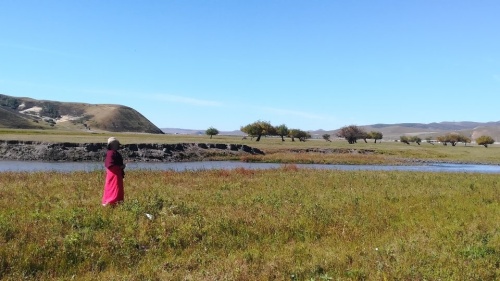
[(113, 187)]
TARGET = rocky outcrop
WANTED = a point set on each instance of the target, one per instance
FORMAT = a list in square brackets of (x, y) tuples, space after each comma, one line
[(42, 151)]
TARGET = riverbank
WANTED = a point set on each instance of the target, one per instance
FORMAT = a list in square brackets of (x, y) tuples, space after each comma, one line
[(187, 152), (142, 152)]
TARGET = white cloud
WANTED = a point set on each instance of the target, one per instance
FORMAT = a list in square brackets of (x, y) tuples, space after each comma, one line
[(186, 100)]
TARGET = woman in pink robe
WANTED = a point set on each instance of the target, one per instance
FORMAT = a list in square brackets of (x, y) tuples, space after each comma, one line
[(113, 187)]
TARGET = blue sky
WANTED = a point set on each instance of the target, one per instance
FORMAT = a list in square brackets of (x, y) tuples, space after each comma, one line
[(226, 63)]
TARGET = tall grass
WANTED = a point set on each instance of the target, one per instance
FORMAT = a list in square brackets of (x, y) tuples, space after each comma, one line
[(284, 224)]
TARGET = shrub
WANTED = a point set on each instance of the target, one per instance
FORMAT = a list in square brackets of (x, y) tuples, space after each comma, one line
[(485, 140)]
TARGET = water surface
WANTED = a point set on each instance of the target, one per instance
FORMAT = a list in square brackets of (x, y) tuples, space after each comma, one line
[(29, 166)]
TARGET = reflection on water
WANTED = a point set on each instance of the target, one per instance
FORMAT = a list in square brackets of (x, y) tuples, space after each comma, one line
[(27, 166)]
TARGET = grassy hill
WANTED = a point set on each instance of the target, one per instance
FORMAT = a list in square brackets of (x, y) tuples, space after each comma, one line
[(11, 119), (27, 113)]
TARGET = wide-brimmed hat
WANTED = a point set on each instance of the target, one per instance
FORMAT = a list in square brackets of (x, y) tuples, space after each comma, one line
[(113, 139)]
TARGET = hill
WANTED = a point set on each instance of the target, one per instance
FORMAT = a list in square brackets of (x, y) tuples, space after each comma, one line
[(27, 113), (441, 126), (466, 128), (423, 130)]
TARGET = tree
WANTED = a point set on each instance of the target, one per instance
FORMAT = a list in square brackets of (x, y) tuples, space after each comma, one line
[(374, 135), (415, 139), (404, 139), (363, 135), (466, 140), (299, 134), (327, 137), (429, 140), (485, 140), (442, 139), (259, 129), (282, 131), (352, 133), (453, 139), (212, 132)]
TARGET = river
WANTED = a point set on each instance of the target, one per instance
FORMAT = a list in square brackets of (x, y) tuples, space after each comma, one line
[(29, 166)]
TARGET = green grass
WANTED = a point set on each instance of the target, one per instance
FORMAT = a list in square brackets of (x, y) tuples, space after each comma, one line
[(285, 224), (288, 152)]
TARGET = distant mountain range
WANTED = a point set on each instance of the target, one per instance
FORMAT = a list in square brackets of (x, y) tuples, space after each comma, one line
[(467, 128), (442, 126), (27, 113)]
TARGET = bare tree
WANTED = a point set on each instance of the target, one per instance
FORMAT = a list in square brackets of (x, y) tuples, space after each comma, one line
[(352, 133)]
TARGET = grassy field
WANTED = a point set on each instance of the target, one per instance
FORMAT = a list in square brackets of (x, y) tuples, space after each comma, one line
[(387, 152), (284, 224)]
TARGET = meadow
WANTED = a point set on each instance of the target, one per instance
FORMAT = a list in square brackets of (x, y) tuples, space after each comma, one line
[(283, 224)]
